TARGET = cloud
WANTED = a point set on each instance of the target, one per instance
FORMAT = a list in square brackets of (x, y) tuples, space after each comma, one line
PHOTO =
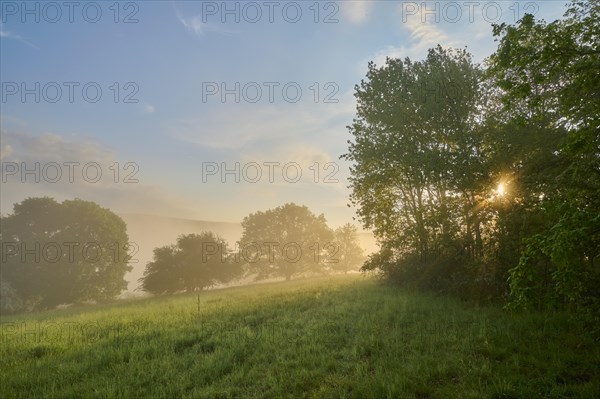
[(220, 131), (193, 24), (380, 56), (422, 35), (48, 156), (304, 155), (357, 12), (149, 109), (425, 33), (196, 26), (256, 125), (304, 136), (51, 146), (9, 35), (5, 151)]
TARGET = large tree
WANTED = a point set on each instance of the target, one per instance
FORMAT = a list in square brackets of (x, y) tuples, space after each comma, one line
[(54, 253), (505, 169), (286, 241), (196, 262), (416, 153)]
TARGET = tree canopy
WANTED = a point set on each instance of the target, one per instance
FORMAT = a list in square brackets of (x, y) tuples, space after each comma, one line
[(549, 80), (196, 262), (348, 254), (485, 181), (55, 253), (285, 242)]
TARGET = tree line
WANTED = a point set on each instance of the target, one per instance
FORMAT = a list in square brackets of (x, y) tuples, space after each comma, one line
[(76, 251), (285, 242), (484, 181)]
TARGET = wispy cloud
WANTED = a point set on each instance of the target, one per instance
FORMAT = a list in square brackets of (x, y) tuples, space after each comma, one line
[(9, 35), (149, 109), (425, 33), (196, 26), (422, 35), (252, 125), (256, 125), (388, 51)]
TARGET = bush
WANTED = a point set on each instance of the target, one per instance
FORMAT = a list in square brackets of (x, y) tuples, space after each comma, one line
[(450, 273)]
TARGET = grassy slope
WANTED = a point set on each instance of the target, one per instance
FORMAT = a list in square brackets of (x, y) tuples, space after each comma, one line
[(338, 337)]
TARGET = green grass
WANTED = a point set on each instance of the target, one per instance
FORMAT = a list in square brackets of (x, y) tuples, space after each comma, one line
[(342, 337)]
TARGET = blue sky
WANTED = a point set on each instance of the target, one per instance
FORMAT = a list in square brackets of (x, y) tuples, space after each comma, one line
[(164, 61)]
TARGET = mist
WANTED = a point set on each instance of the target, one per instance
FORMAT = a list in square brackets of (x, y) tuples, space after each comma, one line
[(299, 199), (151, 231)]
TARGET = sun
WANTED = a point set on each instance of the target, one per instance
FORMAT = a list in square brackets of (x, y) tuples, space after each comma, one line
[(501, 190)]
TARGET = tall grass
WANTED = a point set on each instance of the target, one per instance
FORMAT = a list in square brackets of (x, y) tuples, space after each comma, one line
[(342, 337)]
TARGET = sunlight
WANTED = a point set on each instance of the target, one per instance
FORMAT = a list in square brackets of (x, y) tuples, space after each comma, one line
[(501, 190)]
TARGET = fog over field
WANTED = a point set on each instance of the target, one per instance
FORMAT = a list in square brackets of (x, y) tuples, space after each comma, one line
[(149, 232), (300, 199)]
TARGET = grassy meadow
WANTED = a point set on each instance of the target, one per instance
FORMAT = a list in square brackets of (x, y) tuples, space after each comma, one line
[(337, 337)]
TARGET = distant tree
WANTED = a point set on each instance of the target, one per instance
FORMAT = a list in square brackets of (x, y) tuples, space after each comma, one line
[(196, 262), (161, 274), (348, 254), (54, 253), (285, 242), (9, 299)]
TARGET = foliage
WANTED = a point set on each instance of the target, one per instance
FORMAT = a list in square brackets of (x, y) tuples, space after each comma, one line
[(488, 187), (285, 242), (196, 262), (414, 119), (9, 299), (55, 253), (420, 172), (347, 255), (548, 73)]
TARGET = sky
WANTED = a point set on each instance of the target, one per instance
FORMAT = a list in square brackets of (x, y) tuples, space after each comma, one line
[(206, 110)]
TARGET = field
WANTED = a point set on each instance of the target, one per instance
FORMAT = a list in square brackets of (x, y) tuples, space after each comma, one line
[(342, 337)]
